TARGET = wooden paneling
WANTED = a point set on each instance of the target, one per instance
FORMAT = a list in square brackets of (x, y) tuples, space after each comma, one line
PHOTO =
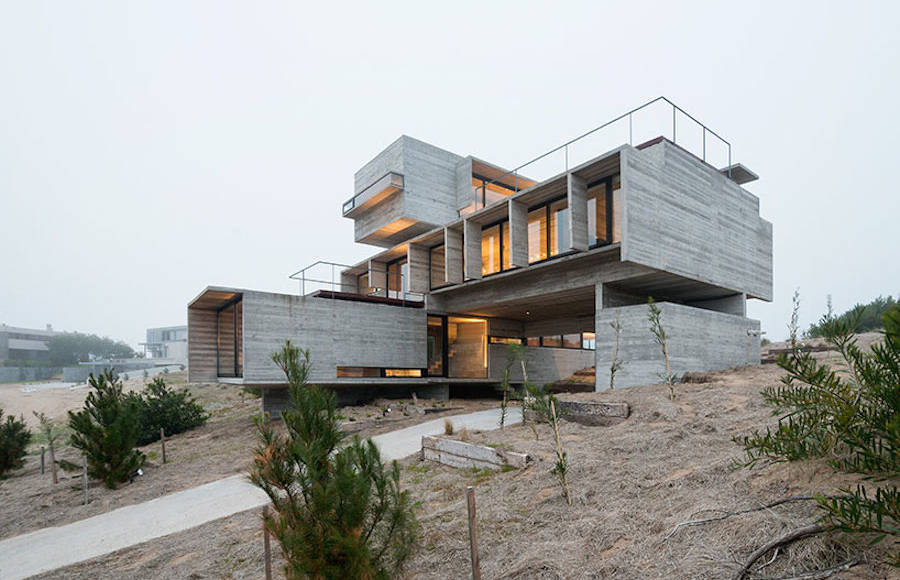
[(201, 345)]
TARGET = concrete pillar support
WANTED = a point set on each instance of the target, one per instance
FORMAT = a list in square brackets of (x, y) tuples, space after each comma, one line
[(518, 234), (472, 250), (417, 258), (577, 197), (453, 256)]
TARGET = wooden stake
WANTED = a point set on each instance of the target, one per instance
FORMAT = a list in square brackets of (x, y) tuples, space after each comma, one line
[(473, 534), (84, 473), (268, 549), (42, 460), (53, 464), (162, 440)]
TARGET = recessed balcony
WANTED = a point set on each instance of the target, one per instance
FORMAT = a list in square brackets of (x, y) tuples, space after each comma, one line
[(386, 186)]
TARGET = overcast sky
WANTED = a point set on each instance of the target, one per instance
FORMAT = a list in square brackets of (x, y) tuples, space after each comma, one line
[(149, 149)]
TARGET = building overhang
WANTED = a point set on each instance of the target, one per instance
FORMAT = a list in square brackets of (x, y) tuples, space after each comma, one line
[(739, 173), (215, 298)]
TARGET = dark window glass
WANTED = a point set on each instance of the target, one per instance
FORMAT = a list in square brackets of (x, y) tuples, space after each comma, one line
[(435, 346), (505, 340), (551, 341), (598, 201)]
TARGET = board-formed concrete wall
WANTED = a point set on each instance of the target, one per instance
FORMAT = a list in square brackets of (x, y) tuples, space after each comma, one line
[(682, 216), (544, 365), (337, 333), (699, 340), (429, 191)]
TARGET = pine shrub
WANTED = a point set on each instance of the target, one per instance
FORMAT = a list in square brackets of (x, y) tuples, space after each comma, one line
[(851, 417), (338, 510), (14, 438), (106, 430), (163, 407)]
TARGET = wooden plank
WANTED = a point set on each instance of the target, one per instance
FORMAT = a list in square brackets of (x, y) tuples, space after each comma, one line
[(461, 454)]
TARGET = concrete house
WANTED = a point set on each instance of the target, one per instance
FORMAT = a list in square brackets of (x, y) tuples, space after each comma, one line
[(473, 257)]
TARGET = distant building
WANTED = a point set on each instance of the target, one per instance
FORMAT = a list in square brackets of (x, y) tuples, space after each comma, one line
[(25, 344), (167, 342)]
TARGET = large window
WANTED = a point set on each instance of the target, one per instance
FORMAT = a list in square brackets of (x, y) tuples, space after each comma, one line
[(229, 340), (436, 260), (436, 348), (559, 226), (485, 193), (548, 230), (362, 284), (602, 201), (537, 235), (495, 248), (398, 279)]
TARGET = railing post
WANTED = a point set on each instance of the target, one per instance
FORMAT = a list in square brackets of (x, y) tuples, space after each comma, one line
[(630, 131), (516, 179), (729, 161), (567, 157), (673, 124), (704, 142)]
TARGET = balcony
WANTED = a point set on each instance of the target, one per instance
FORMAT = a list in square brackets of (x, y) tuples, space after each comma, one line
[(384, 187)]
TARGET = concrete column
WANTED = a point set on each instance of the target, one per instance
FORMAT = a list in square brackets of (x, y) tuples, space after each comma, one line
[(417, 258), (348, 283), (472, 250), (518, 234), (453, 262), (577, 196), (378, 276)]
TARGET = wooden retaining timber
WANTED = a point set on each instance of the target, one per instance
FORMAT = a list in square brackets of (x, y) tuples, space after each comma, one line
[(594, 412), (461, 454)]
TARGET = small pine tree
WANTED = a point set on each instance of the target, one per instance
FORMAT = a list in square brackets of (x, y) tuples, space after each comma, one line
[(106, 430), (662, 339), (338, 510), (851, 418), (14, 438), (51, 433), (616, 364), (546, 410), (161, 407)]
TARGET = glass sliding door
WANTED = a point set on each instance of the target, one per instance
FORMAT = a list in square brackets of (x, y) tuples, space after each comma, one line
[(467, 347)]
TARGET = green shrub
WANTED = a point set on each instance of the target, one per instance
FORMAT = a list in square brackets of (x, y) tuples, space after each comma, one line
[(338, 510), (864, 317), (851, 418), (106, 430), (162, 407), (14, 438)]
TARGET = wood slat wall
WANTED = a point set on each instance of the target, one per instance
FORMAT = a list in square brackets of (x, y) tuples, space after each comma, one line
[(201, 345)]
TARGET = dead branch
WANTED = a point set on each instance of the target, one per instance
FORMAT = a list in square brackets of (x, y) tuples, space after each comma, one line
[(727, 515), (792, 536), (820, 574)]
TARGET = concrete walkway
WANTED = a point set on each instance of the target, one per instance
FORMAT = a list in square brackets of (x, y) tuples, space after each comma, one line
[(56, 547)]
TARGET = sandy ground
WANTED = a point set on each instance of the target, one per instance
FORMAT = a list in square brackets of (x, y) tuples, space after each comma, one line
[(631, 484), (220, 448)]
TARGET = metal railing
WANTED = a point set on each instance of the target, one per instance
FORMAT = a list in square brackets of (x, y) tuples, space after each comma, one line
[(630, 117), (308, 275), (323, 275), (350, 204)]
